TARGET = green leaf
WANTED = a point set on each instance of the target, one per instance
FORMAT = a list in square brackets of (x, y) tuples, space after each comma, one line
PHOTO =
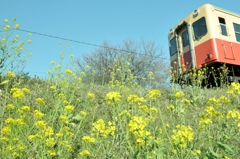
[(4, 82), (77, 117), (214, 153), (227, 147)]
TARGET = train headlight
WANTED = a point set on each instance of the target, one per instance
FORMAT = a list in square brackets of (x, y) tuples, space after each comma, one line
[(195, 13)]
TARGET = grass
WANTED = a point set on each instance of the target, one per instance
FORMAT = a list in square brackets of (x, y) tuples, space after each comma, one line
[(56, 119), (63, 117)]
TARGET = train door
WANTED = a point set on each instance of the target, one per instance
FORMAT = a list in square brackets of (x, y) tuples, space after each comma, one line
[(225, 39), (185, 49)]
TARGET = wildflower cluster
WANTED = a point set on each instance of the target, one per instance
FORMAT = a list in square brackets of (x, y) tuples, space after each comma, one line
[(17, 93), (90, 95), (113, 97), (179, 94), (182, 136), (137, 128), (135, 99), (40, 101), (234, 89), (147, 109), (153, 94), (214, 111), (10, 74), (103, 130)]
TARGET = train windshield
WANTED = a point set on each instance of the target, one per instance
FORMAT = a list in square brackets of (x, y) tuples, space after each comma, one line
[(173, 46), (200, 28), (185, 40)]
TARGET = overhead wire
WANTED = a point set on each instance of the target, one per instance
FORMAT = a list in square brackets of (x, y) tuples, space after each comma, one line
[(85, 43), (80, 42)]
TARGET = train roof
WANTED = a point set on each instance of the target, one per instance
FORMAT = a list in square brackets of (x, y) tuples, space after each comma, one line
[(204, 6), (226, 11)]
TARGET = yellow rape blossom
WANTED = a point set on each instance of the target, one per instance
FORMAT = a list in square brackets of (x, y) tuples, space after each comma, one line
[(3, 139), (85, 153), (63, 118), (224, 101), (25, 109), (153, 110), (211, 112), (179, 94), (137, 128), (17, 26), (10, 74), (38, 114), (213, 102), (59, 134), (6, 130), (90, 95), (40, 124), (135, 99), (17, 93), (52, 152), (9, 121), (52, 87), (21, 147), (144, 108), (19, 121), (69, 108), (7, 28), (125, 112), (103, 130), (171, 107), (66, 102), (68, 72), (83, 113), (87, 67), (88, 139), (48, 131), (32, 137), (204, 121), (50, 142), (233, 114), (61, 96), (10, 106), (25, 90), (150, 73), (113, 97), (153, 94), (40, 101), (182, 136)]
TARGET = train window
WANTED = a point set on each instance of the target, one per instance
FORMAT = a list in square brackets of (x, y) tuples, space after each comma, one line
[(185, 40), (237, 31), (200, 28), (223, 26), (173, 46)]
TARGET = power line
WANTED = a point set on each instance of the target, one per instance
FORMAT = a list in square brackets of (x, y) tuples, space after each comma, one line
[(81, 42)]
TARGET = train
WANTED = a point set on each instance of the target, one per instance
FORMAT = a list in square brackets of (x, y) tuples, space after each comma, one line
[(209, 38)]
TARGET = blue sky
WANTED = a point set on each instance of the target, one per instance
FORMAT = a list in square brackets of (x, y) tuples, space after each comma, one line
[(93, 21)]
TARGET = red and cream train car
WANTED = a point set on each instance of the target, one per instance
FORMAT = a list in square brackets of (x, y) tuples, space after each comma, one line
[(209, 36)]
